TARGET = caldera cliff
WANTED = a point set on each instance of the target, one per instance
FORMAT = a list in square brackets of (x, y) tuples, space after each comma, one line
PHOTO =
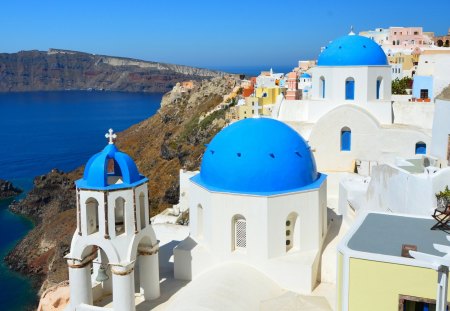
[(56, 70)]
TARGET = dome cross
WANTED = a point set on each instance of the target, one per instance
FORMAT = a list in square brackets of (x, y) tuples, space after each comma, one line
[(111, 136)]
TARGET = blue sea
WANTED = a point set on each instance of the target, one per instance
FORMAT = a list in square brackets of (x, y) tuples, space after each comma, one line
[(40, 131)]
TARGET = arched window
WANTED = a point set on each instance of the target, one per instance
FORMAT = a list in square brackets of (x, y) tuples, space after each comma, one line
[(239, 232), (92, 215), (350, 89), (142, 210), (292, 232), (199, 220), (119, 215), (379, 89), (421, 148), (322, 87), (346, 139), (393, 42)]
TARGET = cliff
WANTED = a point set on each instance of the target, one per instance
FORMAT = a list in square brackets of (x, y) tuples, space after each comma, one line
[(173, 138), (71, 70)]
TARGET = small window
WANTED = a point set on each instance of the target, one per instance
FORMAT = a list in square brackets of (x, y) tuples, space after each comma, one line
[(346, 139), (350, 89), (379, 90), (421, 148), (423, 93), (322, 87), (239, 233)]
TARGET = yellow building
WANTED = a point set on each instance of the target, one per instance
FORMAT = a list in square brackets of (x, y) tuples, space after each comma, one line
[(408, 61), (268, 95), (372, 273)]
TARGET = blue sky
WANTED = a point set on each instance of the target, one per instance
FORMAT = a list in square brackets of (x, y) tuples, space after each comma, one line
[(201, 33)]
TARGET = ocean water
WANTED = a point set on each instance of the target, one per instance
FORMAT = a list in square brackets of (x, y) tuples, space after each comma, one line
[(40, 131)]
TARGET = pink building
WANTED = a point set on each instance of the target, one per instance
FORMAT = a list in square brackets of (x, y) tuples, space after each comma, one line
[(408, 37), (292, 93)]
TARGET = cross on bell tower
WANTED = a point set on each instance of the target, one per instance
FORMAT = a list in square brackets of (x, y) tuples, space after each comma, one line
[(111, 136)]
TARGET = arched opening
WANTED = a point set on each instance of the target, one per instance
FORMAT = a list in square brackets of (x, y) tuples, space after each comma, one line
[(380, 88), (119, 216), (93, 283), (292, 232), (447, 43), (346, 139), (199, 220), (421, 148), (92, 215), (239, 230), (440, 43), (350, 89), (322, 87), (142, 208)]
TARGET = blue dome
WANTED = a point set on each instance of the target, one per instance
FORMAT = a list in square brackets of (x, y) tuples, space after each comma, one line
[(257, 156), (305, 75), (123, 174), (352, 50)]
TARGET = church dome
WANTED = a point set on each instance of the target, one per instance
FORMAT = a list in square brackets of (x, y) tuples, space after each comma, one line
[(110, 169), (352, 50), (257, 156)]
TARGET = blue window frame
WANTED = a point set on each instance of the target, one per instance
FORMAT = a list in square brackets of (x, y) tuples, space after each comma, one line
[(350, 89), (346, 139)]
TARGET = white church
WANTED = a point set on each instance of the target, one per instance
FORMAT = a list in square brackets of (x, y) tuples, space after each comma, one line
[(258, 208)]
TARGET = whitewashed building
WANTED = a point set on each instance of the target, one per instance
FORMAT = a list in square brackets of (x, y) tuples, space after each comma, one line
[(258, 200), (114, 250)]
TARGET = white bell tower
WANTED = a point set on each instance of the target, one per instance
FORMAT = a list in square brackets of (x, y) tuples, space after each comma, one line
[(114, 250)]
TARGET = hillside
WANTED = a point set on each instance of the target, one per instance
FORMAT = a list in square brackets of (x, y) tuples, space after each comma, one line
[(71, 70), (173, 138)]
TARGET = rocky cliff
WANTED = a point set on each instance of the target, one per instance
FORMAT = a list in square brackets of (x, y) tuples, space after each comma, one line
[(173, 138), (7, 189), (70, 70)]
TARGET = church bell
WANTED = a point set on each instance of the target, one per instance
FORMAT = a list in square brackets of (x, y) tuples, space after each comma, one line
[(101, 275)]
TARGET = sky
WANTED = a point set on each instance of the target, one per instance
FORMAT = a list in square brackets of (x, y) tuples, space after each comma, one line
[(213, 34)]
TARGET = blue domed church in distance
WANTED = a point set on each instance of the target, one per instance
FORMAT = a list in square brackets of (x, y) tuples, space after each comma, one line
[(350, 119), (258, 199)]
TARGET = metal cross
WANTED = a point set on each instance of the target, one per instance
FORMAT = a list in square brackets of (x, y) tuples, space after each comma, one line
[(111, 136)]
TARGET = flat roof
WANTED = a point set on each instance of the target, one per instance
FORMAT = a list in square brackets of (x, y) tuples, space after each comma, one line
[(386, 233)]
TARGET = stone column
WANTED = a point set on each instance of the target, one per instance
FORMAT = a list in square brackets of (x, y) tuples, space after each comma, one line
[(80, 282), (149, 272), (123, 287)]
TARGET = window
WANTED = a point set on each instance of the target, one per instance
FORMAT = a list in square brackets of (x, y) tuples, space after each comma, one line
[(423, 93), (416, 32), (239, 233), (350, 89), (421, 148), (292, 231), (199, 220), (119, 215), (142, 210), (322, 87), (379, 90), (346, 139), (92, 215)]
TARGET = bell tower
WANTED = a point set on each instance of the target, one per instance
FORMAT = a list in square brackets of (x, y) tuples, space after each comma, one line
[(114, 247)]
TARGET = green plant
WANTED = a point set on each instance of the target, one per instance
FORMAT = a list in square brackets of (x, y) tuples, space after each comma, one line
[(399, 86), (443, 197)]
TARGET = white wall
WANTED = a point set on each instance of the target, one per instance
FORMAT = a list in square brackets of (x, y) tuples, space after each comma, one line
[(441, 130), (418, 114), (370, 141)]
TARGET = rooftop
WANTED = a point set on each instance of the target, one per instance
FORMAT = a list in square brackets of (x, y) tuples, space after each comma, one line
[(385, 234)]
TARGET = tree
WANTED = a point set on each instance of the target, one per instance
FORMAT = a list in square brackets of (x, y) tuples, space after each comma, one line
[(399, 86)]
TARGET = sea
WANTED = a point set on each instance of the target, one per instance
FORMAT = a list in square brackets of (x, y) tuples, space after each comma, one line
[(40, 131)]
